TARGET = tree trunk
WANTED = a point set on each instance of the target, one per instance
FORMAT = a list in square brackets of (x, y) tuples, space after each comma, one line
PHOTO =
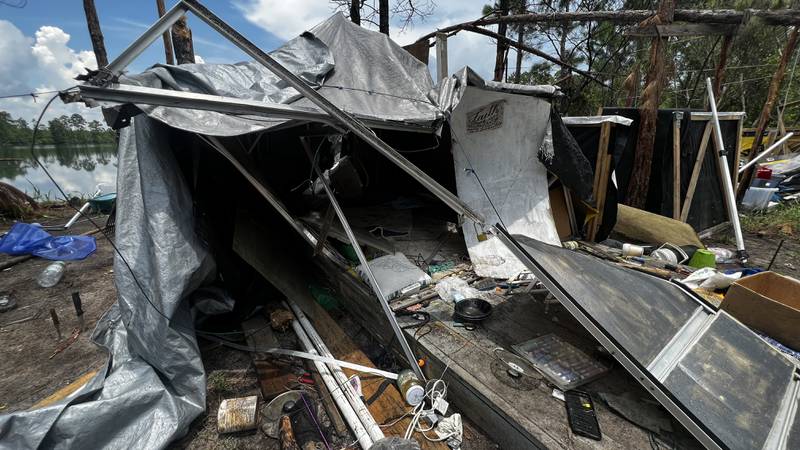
[(719, 73), (520, 41), (383, 16), (639, 184), (167, 41), (95, 33), (355, 11), (182, 42), (769, 105), (502, 44)]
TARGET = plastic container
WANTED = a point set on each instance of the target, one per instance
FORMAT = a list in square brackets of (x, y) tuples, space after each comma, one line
[(703, 258), (410, 387), (563, 364), (758, 198), (51, 274)]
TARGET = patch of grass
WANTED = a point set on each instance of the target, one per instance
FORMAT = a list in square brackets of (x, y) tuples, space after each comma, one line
[(217, 381), (783, 219)]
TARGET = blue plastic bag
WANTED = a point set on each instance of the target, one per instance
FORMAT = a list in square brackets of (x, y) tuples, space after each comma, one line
[(24, 239)]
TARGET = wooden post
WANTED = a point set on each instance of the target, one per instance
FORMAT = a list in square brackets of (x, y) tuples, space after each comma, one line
[(601, 174), (167, 41), (698, 164), (95, 33), (719, 73), (502, 44), (676, 165), (648, 113), (182, 42), (766, 111), (441, 57)]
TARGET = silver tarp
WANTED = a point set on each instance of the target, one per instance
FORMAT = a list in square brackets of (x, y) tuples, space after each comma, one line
[(154, 383)]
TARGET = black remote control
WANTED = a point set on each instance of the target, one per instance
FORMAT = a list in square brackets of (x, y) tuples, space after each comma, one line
[(581, 415)]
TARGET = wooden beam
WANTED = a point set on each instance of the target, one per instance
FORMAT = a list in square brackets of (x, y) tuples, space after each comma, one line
[(96, 35), (441, 57), (719, 72), (698, 164), (601, 178), (683, 29), (676, 165)]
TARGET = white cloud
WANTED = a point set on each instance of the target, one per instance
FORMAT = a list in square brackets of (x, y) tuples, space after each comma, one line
[(288, 19), (42, 63), (285, 19), (199, 59)]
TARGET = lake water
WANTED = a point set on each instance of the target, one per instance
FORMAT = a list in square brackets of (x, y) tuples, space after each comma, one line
[(78, 170)]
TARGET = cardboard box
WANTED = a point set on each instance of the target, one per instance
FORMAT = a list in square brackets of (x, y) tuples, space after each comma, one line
[(767, 302)]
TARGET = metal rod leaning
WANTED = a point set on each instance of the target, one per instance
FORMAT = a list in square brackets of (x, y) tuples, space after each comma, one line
[(766, 152), (387, 310), (724, 173)]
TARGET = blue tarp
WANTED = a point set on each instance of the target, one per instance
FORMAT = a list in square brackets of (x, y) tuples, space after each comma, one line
[(24, 239)]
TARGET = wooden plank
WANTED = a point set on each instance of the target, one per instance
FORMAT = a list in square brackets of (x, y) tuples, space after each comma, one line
[(604, 162), (284, 266), (698, 164), (676, 166), (737, 155)]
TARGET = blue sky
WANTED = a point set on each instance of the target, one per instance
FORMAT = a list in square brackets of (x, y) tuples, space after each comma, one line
[(46, 43)]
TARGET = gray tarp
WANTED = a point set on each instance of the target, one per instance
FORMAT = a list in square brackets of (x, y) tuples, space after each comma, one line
[(154, 384)]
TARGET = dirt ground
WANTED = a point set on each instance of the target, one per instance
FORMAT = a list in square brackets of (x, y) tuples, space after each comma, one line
[(30, 371), (761, 248)]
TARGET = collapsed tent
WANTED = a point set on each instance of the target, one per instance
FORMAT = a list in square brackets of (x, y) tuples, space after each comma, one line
[(198, 166)]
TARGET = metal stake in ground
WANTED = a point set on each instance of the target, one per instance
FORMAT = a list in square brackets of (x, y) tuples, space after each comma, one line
[(76, 301), (56, 323), (412, 360)]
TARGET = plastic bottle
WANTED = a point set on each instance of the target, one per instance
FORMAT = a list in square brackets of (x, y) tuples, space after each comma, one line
[(51, 274)]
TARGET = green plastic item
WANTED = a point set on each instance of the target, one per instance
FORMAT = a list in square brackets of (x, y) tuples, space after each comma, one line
[(324, 297), (703, 258)]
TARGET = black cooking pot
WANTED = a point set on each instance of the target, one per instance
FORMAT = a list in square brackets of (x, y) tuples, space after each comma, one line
[(472, 310)]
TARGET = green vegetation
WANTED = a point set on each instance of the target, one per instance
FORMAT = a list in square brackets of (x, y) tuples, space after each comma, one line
[(61, 131), (783, 219), (604, 49)]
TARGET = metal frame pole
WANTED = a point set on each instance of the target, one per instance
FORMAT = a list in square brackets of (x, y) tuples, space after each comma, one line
[(387, 310), (155, 31), (725, 175), (766, 152)]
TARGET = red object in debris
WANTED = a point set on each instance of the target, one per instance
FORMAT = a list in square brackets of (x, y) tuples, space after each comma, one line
[(306, 379), (764, 173)]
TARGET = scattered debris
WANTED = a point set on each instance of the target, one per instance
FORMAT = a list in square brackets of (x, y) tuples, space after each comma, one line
[(237, 414)]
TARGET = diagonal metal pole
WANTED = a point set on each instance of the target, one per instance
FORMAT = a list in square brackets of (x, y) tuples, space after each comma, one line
[(387, 310), (353, 124)]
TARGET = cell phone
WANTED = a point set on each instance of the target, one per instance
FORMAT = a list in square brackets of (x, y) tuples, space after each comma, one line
[(581, 414)]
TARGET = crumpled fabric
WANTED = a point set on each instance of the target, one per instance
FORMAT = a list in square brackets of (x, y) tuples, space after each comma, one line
[(25, 238), (451, 429), (710, 279)]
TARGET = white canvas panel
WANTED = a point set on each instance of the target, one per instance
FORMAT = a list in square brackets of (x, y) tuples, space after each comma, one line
[(496, 139)]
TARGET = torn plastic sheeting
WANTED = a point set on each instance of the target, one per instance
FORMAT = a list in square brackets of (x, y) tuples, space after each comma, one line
[(24, 239), (154, 368), (596, 120)]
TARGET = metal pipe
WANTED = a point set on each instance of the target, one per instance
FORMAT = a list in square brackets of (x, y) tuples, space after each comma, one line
[(155, 31), (369, 430), (349, 414), (766, 152), (387, 310), (725, 175), (353, 124)]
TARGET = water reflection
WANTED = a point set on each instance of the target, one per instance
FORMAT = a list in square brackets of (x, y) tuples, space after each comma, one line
[(78, 170)]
